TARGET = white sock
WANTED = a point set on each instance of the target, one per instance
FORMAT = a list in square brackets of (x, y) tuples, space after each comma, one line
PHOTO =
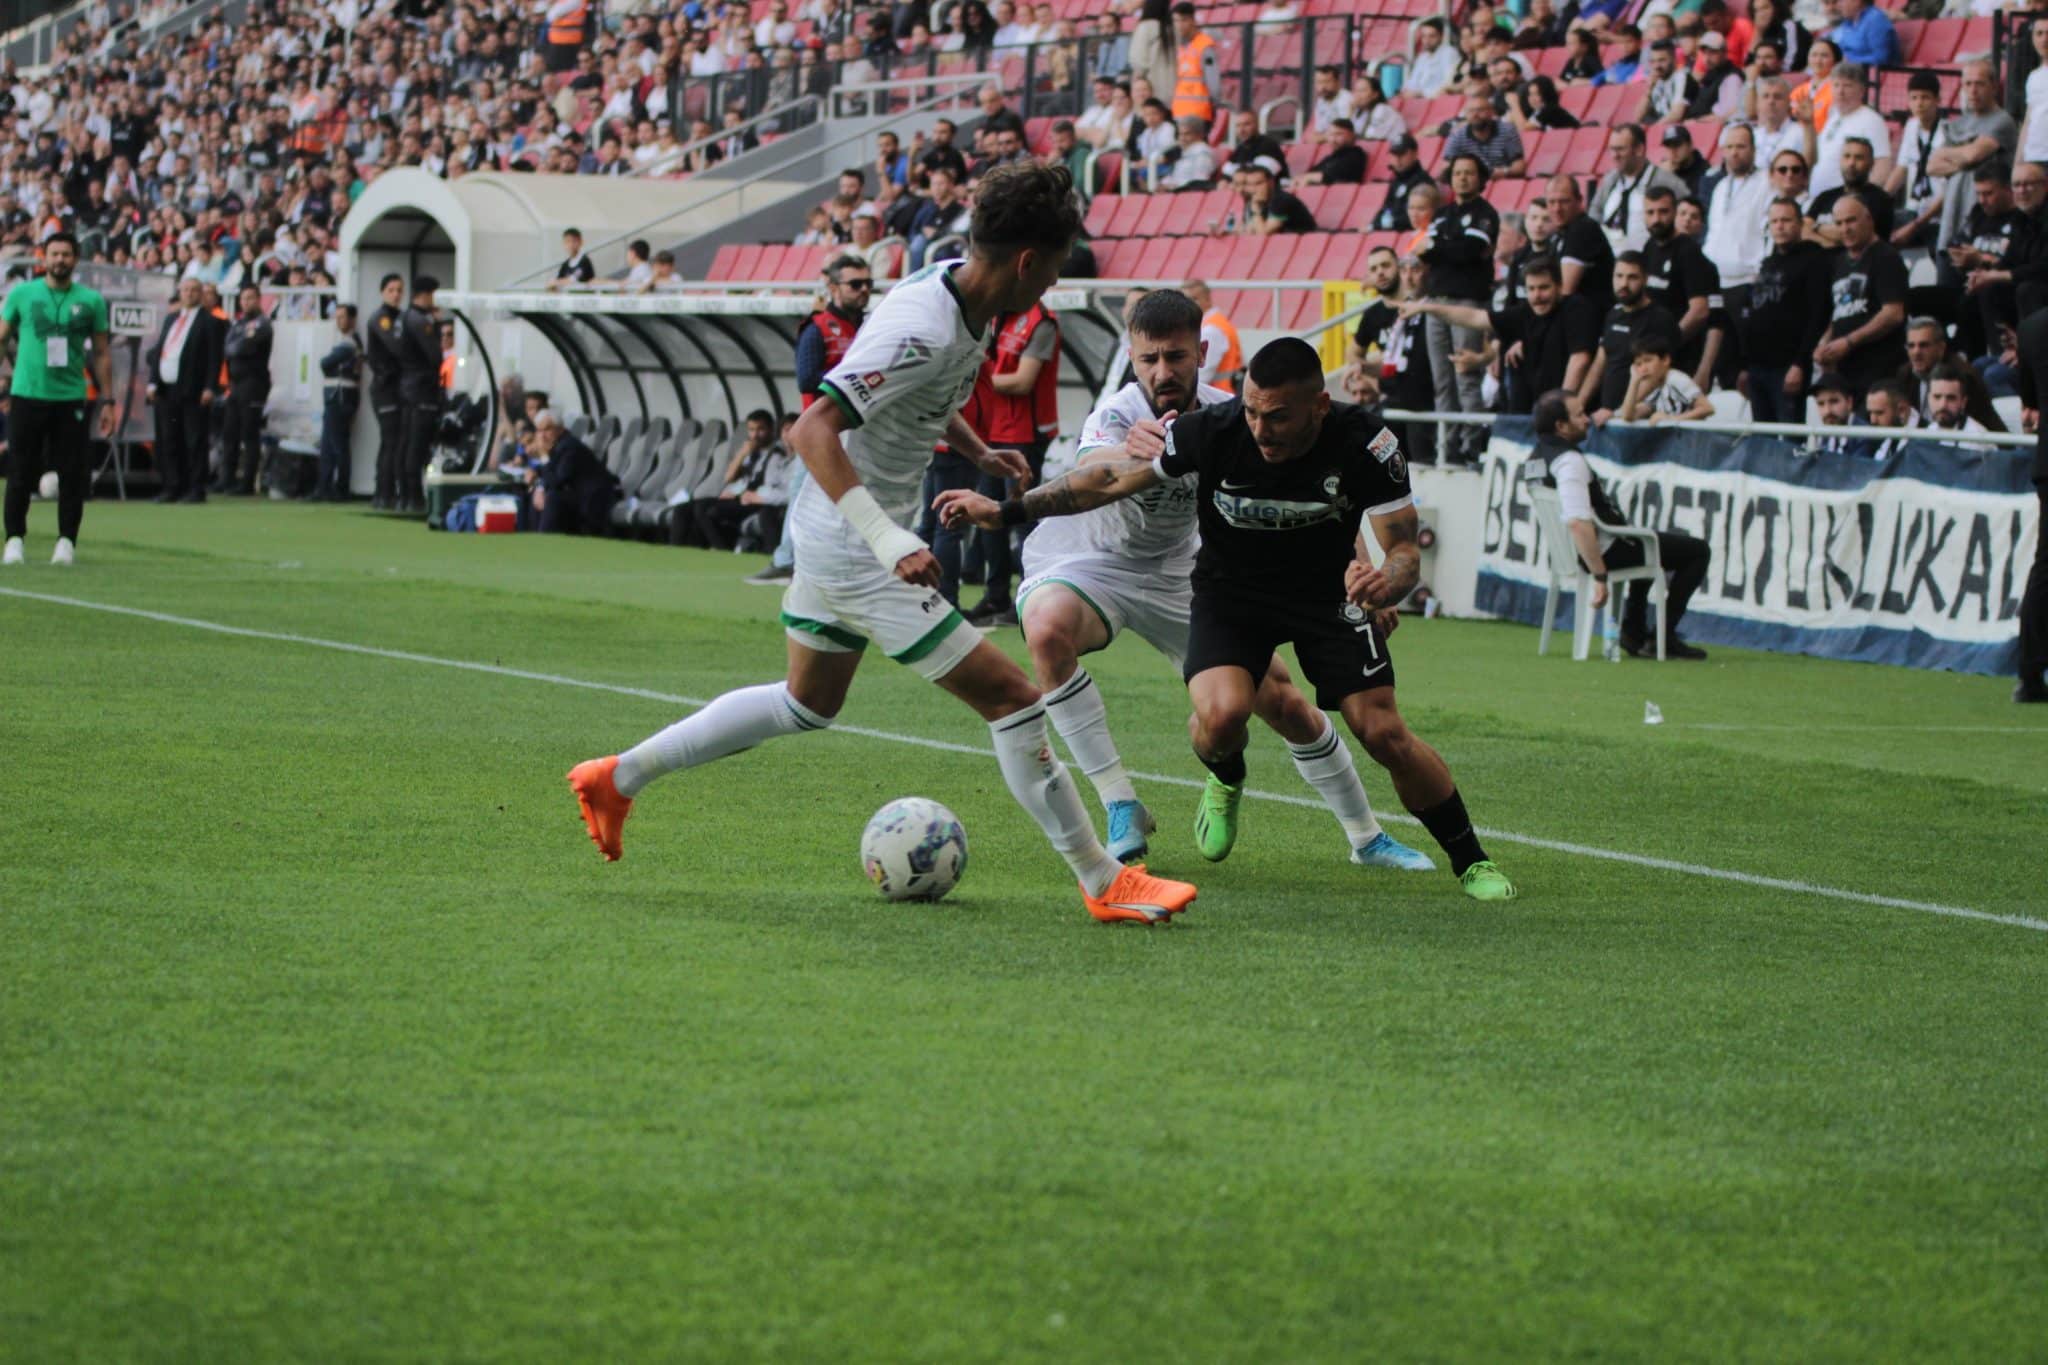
[(1077, 712), (1327, 766), (1042, 787), (738, 720)]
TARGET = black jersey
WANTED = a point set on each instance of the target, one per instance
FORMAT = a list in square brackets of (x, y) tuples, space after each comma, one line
[(1284, 529)]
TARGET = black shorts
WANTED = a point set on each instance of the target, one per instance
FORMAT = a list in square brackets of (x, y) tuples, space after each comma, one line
[(1340, 649)]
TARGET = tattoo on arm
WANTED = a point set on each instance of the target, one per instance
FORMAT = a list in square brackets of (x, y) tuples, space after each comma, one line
[(1086, 487), (1400, 555)]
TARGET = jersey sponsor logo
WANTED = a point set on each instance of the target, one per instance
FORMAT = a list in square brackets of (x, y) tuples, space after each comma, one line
[(1384, 447), (858, 388), (912, 353), (874, 379), (1272, 514)]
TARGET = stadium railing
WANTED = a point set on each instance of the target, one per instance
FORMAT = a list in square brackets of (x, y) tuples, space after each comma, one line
[(782, 118)]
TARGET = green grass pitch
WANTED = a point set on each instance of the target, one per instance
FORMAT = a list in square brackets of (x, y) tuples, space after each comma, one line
[(325, 1034)]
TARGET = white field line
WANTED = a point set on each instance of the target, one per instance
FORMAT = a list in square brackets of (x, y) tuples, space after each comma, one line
[(1742, 727), (647, 694)]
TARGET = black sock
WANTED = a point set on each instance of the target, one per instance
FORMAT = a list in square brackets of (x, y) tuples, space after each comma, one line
[(1452, 828), (1228, 769)]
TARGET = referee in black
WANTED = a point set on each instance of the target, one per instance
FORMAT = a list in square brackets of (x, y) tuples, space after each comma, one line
[(1284, 477)]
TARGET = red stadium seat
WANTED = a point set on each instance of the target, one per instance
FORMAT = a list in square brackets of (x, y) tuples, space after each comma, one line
[(1612, 104), (725, 264), (1301, 156), (1038, 135), (1706, 136), (1548, 157), (1156, 212), (1586, 153), (1124, 222), (1976, 40), (1101, 209), (1550, 61), (1152, 260), (1577, 100), (1431, 151), (1117, 260)]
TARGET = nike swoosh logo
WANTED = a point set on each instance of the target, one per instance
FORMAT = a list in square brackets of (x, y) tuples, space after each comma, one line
[(1149, 911), (1375, 668), (1227, 485)]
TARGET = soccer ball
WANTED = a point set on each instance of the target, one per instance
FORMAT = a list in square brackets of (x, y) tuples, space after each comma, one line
[(913, 850), (49, 486)]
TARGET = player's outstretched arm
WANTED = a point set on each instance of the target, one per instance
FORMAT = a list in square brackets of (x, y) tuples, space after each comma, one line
[(816, 437), (1400, 566), (1095, 484)]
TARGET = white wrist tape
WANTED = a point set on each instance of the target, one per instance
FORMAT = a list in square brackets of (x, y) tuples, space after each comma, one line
[(889, 541)]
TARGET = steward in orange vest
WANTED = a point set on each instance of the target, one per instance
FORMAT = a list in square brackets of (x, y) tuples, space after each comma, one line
[(1197, 85)]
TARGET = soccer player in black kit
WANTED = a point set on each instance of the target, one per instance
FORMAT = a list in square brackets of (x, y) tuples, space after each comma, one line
[(1284, 477)]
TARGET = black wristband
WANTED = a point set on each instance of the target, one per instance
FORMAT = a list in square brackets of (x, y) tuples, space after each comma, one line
[(1014, 513), (1599, 578)]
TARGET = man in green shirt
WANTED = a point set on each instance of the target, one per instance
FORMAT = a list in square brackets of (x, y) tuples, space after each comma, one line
[(55, 319)]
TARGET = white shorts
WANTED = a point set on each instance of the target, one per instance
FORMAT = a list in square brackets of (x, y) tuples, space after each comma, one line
[(1125, 597), (913, 625)]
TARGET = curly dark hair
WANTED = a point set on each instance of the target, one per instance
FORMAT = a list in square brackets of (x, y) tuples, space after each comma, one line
[(1025, 204)]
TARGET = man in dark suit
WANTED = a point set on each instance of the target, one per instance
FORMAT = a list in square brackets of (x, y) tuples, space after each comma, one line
[(184, 375), (419, 388), (574, 492), (2033, 349)]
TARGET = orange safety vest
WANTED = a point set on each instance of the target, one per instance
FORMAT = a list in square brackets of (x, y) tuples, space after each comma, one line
[(1190, 91), (448, 371), (567, 31), (1233, 353)]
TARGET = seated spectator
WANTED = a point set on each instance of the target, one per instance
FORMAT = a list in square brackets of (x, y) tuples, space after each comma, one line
[(941, 151), (1113, 46), (1372, 117), (1504, 82), (1720, 80), (1331, 102), (1627, 61), (1928, 359), (1194, 162), (664, 279), (881, 257), (1151, 143), (1560, 423), (1535, 107), (1948, 412), (1668, 87), (756, 490), (1772, 22), (1482, 135), (576, 269), (943, 214), (1344, 161), (1583, 66), (1835, 406), (1267, 208), (1541, 26), (1887, 404), (1066, 150), (639, 266), (1658, 391), (1680, 159), (817, 229), (1865, 35), (1251, 144), (1098, 124), (572, 490), (1435, 64)]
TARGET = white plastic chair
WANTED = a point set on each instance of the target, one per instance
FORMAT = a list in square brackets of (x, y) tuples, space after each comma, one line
[(1566, 571)]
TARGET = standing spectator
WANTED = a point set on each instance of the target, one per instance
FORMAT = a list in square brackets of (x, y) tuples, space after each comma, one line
[(2033, 385), (1994, 232), (1222, 353), (1980, 133), (1774, 128), (419, 388), (1113, 47), (184, 368), (1735, 31), (826, 334), (1483, 137), (1913, 177), (1585, 258), (247, 355), (1863, 341), (1561, 425), (1786, 313), (1459, 254), (576, 268), (1404, 161), (2034, 146), (1198, 77), (385, 354), (1677, 276), (1549, 341), (1390, 351), (1865, 34), (1857, 162), (1773, 23), (1019, 411), (639, 266), (341, 394), (1737, 211), (1851, 117), (60, 322), (1632, 318), (1618, 202)]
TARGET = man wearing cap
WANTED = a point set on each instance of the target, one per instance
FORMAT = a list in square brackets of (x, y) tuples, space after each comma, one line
[(1681, 159), (1720, 81), (1405, 161), (419, 389)]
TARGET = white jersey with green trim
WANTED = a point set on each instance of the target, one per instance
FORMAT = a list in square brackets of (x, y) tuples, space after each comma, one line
[(910, 367), (1157, 525)]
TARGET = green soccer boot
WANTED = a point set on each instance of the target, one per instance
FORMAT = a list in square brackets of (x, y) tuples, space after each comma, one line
[(1216, 819)]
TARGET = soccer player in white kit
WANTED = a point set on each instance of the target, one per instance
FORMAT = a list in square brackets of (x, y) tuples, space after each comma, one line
[(1127, 566), (861, 576)]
